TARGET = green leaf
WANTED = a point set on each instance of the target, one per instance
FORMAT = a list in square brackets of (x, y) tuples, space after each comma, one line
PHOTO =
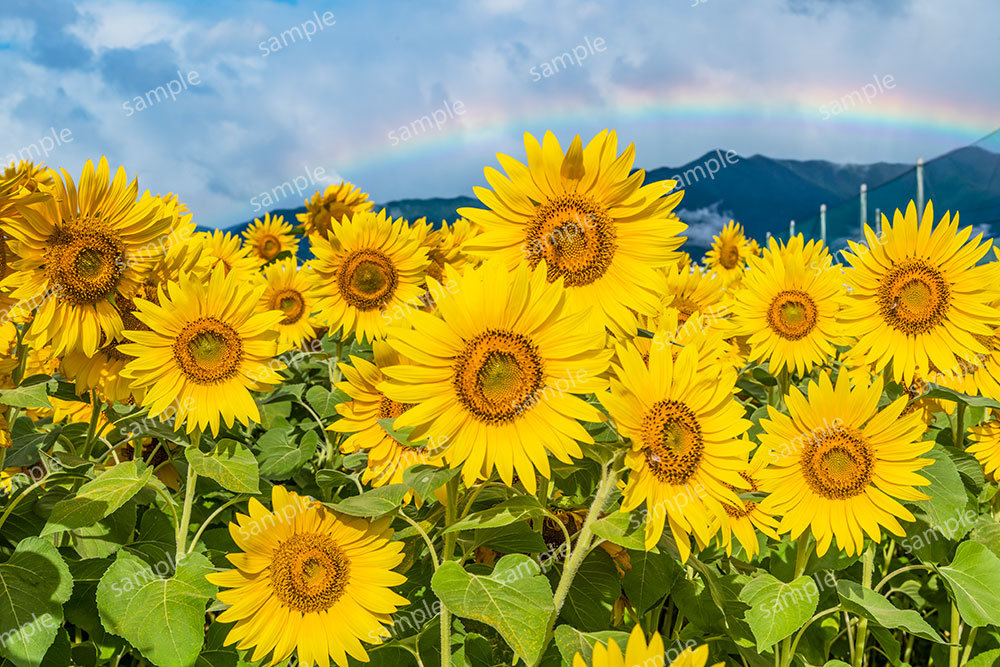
[(958, 397), (777, 609), (402, 436), (329, 480), (987, 659), (947, 493), (230, 464), (519, 508), (214, 653), (478, 652), (324, 402), (426, 479), (376, 502), (99, 497), (33, 396), (973, 576), (865, 602), (517, 538), (571, 641), (107, 535), (163, 618), (281, 455), (595, 587), (34, 584), (621, 528), (651, 577), (514, 599)]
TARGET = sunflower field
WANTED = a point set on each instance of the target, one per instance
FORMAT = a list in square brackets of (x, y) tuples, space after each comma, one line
[(541, 434)]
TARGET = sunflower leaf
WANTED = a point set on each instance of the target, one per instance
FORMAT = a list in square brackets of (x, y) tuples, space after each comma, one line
[(26, 396), (519, 508), (865, 602), (374, 503), (940, 392), (230, 464), (571, 641), (99, 497), (972, 577), (777, 609), (515, 599), (425, 479)]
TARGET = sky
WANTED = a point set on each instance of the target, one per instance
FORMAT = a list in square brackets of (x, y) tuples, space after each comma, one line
[(245, 100)]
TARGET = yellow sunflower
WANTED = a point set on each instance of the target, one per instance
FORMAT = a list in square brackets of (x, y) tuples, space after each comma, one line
[(78, 250), (338, 203), (387, 458), (742, 521), (918, 297), (497, 375), (986, 445), (270, 238), (369, 273), (309, 581), (292, 290), (205, 351), (223, 249), (588, 218), (686, 454), (639, 654), (838, 463), (445, 245), (729, 253), (789, 311), (689, 289)]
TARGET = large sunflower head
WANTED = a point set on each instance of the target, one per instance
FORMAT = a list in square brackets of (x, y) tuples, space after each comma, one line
[(498, 375), (839, 465), (78, 251), (291, 289), (308, 580), (640, 654), (789, 310), (729, 253), (918, 297), (370, 273), (588, 218), (269, 238), (686, 454), (225, 250), (336, 204), (205, 351)]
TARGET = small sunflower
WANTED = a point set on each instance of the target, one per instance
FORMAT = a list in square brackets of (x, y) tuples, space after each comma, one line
[(292, 290), (789, 311), (742, 521), (639, 654), (588, 218), (729, 253), (338, 203), (498, 374), (270, 238), (918, 297), (838, 463), (689, 289), (369, 268), (309, 581), (79, 249), (686, 454), (205, 351), (223, 249), (445, 246)]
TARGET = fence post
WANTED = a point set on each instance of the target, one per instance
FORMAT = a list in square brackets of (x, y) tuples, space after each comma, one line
[(791, 229), (920, 188), (822, 223), (878, 221), (864, 208)]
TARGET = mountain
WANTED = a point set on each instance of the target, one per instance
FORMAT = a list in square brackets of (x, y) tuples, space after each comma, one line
[(765, 193)]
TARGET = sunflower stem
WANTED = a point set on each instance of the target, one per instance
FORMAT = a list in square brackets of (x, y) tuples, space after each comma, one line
[(955, 636), (450, 514), (95, 414), (189, 487), (866, 580), (958, 438), (21, 352)]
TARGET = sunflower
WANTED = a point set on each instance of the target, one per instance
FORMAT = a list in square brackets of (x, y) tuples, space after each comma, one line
[(789, 311), (838, 464), (445, 245), (742, 521), (639, 654), (79, 249), (592, 222), (338, 203), (686, 454), (986, 445), (369, 272), (270, 238), (388, 459), (689, 289), (496, 376), (226, 250), (292, 290), (729, 253), (917, 295), (205, 351), (308, 580)]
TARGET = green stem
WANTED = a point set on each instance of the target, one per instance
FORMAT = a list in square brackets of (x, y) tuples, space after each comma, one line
[(95, 414), (189, 487), (450, 514), (955, 637), (958, 437), (21, 352), (204, 525), (802, 553), (866, 580), (968, 646)]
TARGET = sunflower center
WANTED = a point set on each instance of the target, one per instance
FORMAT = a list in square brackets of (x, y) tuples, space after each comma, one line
[(367, 279), (913, 297), (575, 236), (291, 303), (498, 375), (671, 436), (792, 314), (86, 262), (729, 256), (208, 351), (337, 210), (388, 408), (839, 464), (269, 247), (309, 572)]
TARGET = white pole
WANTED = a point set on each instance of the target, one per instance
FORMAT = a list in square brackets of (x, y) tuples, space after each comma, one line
[(920, 188), (822, 223), (791, 229), (864, 208), (878, 221)]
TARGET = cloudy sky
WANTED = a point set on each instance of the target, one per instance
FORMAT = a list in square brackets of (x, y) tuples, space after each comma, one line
[(262, 102)]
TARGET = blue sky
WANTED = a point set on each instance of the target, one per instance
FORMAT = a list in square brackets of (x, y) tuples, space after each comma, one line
[(678, 77)]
